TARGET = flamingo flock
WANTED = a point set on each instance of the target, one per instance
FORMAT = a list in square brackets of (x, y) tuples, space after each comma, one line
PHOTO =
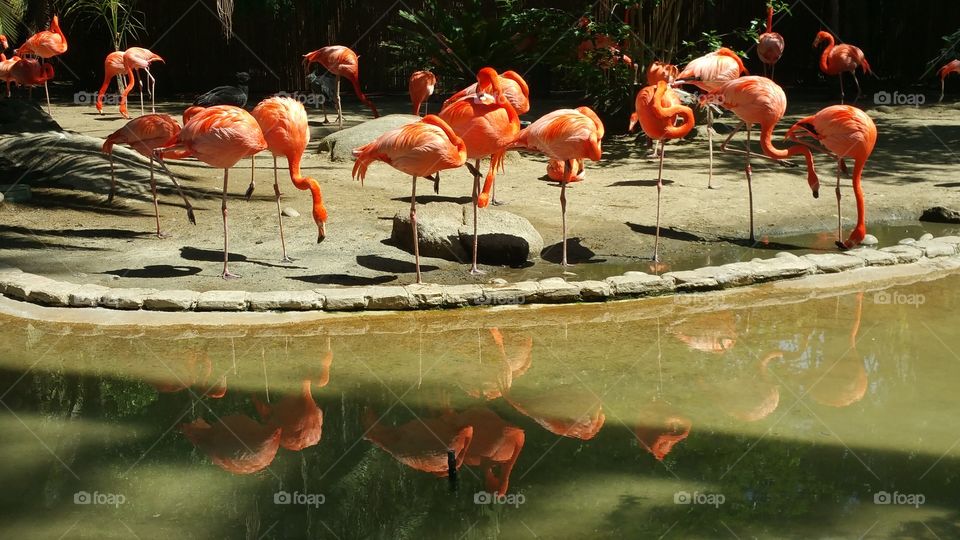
[(480, 122)]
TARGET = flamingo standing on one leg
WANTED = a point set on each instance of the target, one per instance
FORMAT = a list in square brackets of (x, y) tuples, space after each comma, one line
[(45, 45), (419, 149), (422, 84), (566, 135), (488, 124), (837, 59), (6, 70), (770, 45), (952, 66), (657, 109), (220, 136), (137, 58), (113, 67), (342, 62), (30, 72), (556, 173), (758, 100), (284, 124), (708, 73), (843, 131), (145, 134)]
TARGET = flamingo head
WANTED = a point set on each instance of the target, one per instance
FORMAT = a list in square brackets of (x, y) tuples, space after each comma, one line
[(488, 85), (633, 121), (821, 37), (47, 73), (4, 42)]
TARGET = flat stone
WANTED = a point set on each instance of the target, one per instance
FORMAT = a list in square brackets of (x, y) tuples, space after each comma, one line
[(925, 236), (177, 300), (782, 266), (222, 301), (125, 298), (88, 295), (904, 254), (873, 257), (557, 290), (341, 143), (290, 212), (285, 301), (831, 263), (640, 284), (462, 295), (390, 297), (869, 240), (694, 280), (933, 248), (511, 294), (940, 214), (907, 242), (344, 299), (736, 274), (19, 285), (594, 290), (52, 293), (955, 240), (426, 295)]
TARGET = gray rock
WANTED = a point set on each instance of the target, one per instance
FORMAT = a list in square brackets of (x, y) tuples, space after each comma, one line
[(52, 293), (21, 116), (462, 295), (831, 263), (782, 266), (222, 301), (557, 290), (694, 280), (933, 248), (341, 143), (907, 242), (344, 299), (178, 300), (925, 236), (125, 298), (498, 281), (285, 301), (939, 214), (904, 254), (426, 295), (20, 285), (869, 240), (510, 294), (593, 290), (955, 240), (438, 227), (873, 257), (640, 284), (87, 296), (503, 238), (391, 297), (736, 274), (1, 198), (290, 212)]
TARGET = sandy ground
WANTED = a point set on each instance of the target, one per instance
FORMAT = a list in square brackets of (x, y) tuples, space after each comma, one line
[(73, 234)]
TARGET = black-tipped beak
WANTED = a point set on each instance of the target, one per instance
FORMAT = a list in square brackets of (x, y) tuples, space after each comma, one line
[(816, 194)]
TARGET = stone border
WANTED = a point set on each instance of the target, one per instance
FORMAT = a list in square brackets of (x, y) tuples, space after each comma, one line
[(43, 291)]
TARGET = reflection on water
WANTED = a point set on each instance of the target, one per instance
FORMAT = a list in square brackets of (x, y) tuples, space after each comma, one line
[(780, 418)]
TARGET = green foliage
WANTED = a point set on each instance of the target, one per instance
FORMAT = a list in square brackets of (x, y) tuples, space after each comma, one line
[(740, 40), (119, 17), (11, 14)]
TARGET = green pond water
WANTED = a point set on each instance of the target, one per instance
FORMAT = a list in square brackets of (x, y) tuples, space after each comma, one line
[(759, 415)]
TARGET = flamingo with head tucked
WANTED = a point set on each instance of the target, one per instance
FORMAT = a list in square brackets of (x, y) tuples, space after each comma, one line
[(422, 85), (837, 59), (113, 67), (45, 44), (770, 45), (952, 66), (135, 59), (342, 62)]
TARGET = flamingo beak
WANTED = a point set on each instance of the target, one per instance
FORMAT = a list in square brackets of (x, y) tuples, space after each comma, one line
[(321, 232)]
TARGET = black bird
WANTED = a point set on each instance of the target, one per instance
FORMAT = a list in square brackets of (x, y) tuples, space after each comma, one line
[(227, 95), (323, 89)]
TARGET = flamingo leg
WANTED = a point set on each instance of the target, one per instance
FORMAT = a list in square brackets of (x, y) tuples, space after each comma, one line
[(749, 172), (156, 205), (839, 219), (46, 91), (276, 191), (567, 167), (841, 88), (857, 82), (153, 88), (656, 242), (140, 81), (186, 202), (413, 226), (113, 180), (710, 144), (226, 244), (938, 101), (253, 184), (476, 196), (339, 105)]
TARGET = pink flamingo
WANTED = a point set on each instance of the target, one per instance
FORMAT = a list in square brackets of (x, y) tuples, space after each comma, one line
[(661, 71), (6, 70), (422, 84), (770, 45), (342, 62), (138, 58), (30, 72), (419, 149), (145, 134), (758, 100), (236, 443), (283, 122), (220, 136), (952, 66), (113, 67), (843, 131), (837, 59), (45, 44)]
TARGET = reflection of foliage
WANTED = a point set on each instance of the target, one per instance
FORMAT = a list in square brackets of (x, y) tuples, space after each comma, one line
[(119, 16)]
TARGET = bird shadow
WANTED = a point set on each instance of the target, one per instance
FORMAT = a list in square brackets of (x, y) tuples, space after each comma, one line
[(344, 279), (209, 255), (640, 183), (156, 271), (949, 185), (427, 199), (767, 245), (577, 253), (390, 265), (665, 232)]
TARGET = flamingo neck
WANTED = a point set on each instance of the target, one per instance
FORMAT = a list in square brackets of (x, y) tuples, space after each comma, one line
[(766, 143), (769, 19), (303, 183), (826, 54)]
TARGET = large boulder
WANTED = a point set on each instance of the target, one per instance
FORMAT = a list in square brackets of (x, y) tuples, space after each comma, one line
[(446, 231), (19, 116), (939, 214), (341, 143)]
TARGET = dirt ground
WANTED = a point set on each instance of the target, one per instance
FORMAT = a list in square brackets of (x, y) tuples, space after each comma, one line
[(75, 235)]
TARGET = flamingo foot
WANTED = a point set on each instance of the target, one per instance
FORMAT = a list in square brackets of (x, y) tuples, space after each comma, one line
[(287, 259), (163, 236), (476, 271), (229, 275), (842, 246), (497, 202)]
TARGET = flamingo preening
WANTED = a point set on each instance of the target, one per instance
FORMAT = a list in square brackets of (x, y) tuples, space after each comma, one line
[(422, 85), (420, 149), (661, 71), (135, 59), (342, 62), (30, 72), (145, 134), (657, 110), (45, 45), (113, 68), (285, 128), (770, 45), (952, 66), (842, 131), (565, 135), (837, 59)]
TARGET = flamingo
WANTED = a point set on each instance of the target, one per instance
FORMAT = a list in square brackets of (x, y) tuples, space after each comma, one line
[(517, 92), (657, 109), (298, 416), (708, 73), (45, 44), (758, 100), (342, 62), (837, 59), (952, 66), (496, 444), (145, 134), (113, 67), (488, 123), (283, 122), (565, 134), (770, 45), (6, 70), (842, 131), (419, 149), (661, 71), (220, 136), (30, 72), (137, 58), (555, 171), (422, 444), (422, 84), (236, 443)]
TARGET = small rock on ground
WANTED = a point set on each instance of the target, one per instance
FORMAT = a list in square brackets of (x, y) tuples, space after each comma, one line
[(290, 212)]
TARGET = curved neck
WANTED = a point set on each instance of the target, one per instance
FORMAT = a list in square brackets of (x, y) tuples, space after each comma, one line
[(826, 53), (304, 183), (769, 19), (766, 142)]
